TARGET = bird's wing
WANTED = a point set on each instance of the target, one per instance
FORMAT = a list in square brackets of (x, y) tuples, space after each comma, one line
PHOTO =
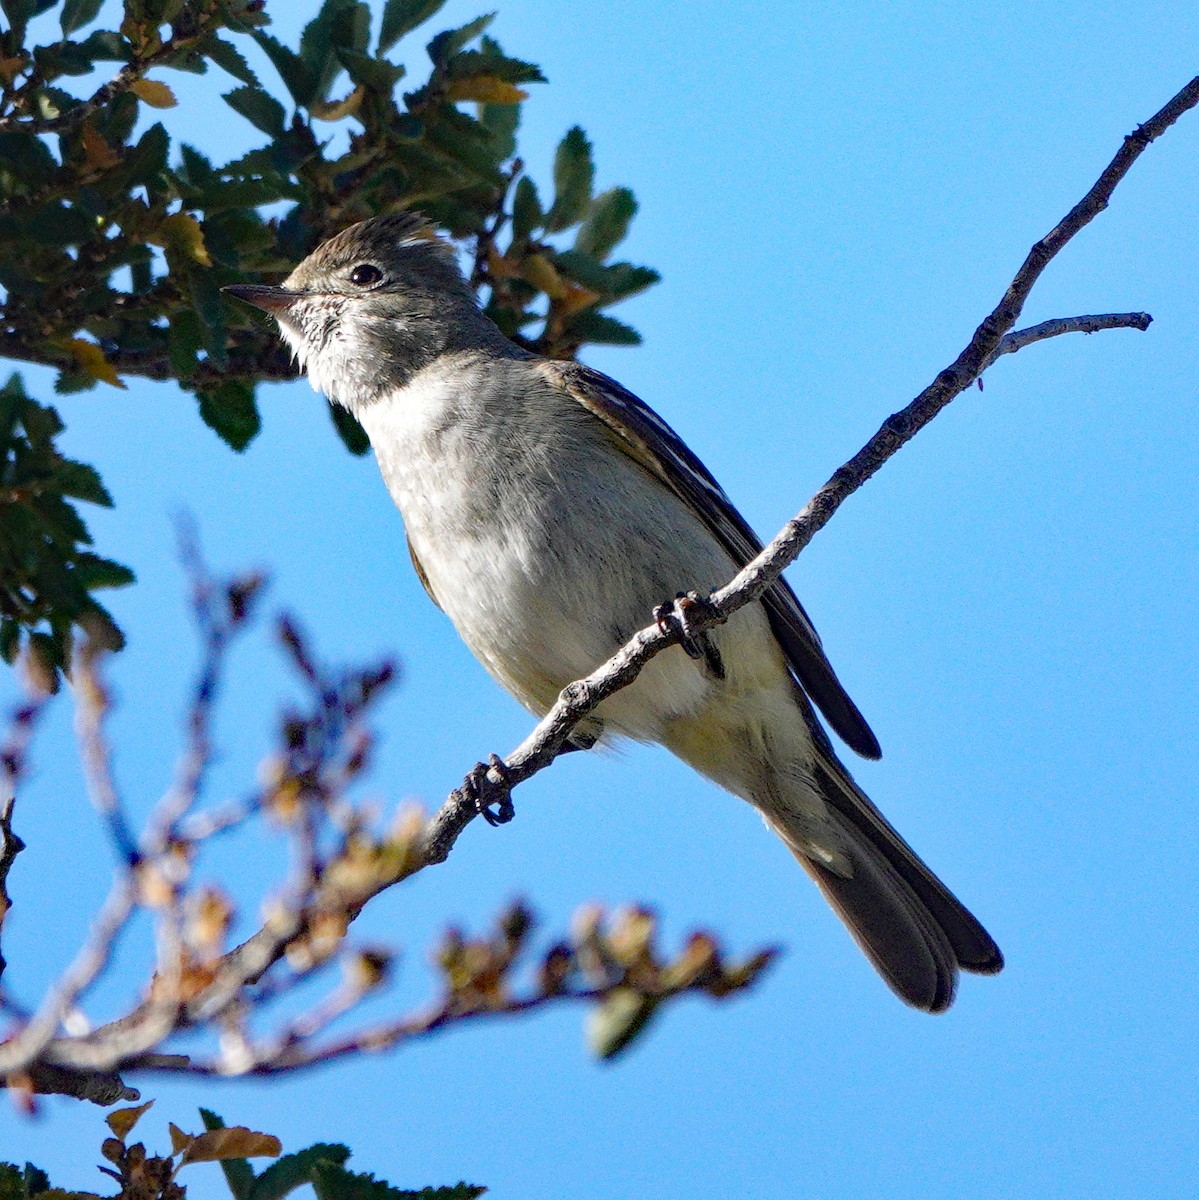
[(420, 574), (649, 441)]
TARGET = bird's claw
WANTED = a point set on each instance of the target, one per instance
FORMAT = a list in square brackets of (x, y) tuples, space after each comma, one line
[(492, 799), (680, 616)]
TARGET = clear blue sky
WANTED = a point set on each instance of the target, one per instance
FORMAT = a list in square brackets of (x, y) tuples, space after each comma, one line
[(835, 195)]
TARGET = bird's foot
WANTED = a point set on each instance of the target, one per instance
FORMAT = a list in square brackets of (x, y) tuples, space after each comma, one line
[(682, 616), (492, 798)]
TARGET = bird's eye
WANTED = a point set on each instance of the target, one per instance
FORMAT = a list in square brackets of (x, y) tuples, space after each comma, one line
[(365, 275)]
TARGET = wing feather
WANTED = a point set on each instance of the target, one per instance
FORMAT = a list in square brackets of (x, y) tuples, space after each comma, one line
[(649, 441)]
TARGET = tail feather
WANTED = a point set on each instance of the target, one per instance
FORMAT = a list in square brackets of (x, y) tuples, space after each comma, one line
[(911, 927)]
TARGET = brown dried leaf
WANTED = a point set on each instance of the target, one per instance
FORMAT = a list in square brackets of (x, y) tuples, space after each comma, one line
[(98, 155), (234, 1142), (122, 1120), (179, 1139)]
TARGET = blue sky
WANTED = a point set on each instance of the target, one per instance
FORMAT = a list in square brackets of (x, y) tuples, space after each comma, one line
[(835, 196)]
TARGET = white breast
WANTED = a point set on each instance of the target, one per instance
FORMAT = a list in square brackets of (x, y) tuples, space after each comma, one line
[(544, 545)]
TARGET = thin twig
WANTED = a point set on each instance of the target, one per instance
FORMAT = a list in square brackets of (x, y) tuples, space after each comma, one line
[(1019, 338)]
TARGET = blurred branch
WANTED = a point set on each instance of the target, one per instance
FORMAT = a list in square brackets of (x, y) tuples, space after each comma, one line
[(991, 339), (337, 866), (13, 761)]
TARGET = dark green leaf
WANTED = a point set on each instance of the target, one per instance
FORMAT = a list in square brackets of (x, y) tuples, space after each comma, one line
[(351, 433), (231, 412), (574, 174), (64, 58), (106, 45), (59, 224), (592, 326), (624, 279), (36, 1180), (448, 43), (229, 58), (492, 61), (10, 639), (501, 121), (83, 482), (296, 76), (376, 73), (148, 158), (197, 169), (12, 1185), (262, 110), (606, 223), (526, 208), (77, 13), (95, 572), (401, 17), (27, 157), (294, 1170), (331, 1182), (339, 23)]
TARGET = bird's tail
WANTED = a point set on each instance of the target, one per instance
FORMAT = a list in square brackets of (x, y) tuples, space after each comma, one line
[(911, 927)]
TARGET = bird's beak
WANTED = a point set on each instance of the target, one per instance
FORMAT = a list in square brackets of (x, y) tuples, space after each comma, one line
[(269, 299)]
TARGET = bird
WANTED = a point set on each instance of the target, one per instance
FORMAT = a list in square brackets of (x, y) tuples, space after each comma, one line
[(548, 510)]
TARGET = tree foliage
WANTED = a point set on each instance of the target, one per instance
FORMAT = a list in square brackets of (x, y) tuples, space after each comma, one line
[(117, 234)]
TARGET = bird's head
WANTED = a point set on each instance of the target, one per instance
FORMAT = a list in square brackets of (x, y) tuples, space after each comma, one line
[(370, 307)]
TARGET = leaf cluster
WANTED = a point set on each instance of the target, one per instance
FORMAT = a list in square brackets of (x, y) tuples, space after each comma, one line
[(148, 1176), (48, 576), (116, 236)]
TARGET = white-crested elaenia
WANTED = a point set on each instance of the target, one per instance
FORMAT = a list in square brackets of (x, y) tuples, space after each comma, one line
[(548, 511)]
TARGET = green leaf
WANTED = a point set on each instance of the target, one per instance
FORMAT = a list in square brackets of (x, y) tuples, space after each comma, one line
[(618, 1021), (332, 1182), (239, 1175), (230, 59), (95, 572), (376, 73), (401, 17), (296, 76), (527, 214), (501, 121), (448, 43), (624, 279), (229, 410), (27, 157), (262, 110), (148, 159), (606, 223), (574, 174), (36, 1180), (294, 1170), (77, 13), (595, 327), (340, 23), (351, 433), (83, 482), (10, 640)]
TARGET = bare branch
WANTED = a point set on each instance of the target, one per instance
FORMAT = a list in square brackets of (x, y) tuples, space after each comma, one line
[(582, 697), (1020, 338)]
